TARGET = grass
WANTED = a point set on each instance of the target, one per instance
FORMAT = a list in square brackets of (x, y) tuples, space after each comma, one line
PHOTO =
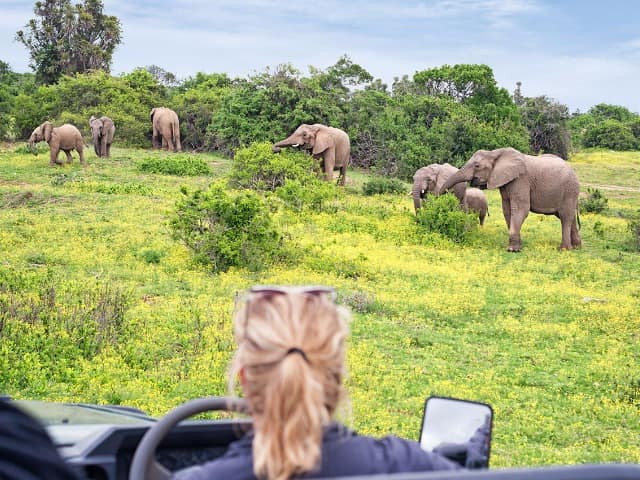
[(99, 304)]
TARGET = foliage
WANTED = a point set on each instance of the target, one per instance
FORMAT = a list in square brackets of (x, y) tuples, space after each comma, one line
[(312, 193), (127, 100), (67, 39), (225, 229), (177, 164), (444, 215), (595, 202), (633, 225), (11, 85), (258, 168), (383, 185), (546, 120), (611, 134), (606, 126)]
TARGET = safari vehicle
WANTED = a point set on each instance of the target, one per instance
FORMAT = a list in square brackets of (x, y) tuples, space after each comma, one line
[(115, 443)]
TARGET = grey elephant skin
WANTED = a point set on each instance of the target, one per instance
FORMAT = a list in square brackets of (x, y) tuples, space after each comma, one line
[(431, 178), (165, 124), (328, 144), (543, 184), (65, 137), (102, 132), (476, 201)]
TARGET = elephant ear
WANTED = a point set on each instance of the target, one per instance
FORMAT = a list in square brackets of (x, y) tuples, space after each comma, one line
[(508, 166), (91, 119), (323, 141), (47, 129), (153, 111)]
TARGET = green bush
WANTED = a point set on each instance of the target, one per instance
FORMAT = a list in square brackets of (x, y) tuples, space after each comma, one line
[(258, 168), (594, 203), (182, 165), (611, 134), (633, 226), (383, 185), (444, 215), (315, 194), (226, 229)]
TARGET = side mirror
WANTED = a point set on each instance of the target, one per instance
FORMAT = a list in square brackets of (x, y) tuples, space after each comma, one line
[(458, 429)]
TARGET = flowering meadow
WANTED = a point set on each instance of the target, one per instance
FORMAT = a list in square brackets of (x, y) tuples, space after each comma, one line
[(100, 304)]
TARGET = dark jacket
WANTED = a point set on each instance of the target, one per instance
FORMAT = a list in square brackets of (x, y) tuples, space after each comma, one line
[(344, 453), (26, 451)]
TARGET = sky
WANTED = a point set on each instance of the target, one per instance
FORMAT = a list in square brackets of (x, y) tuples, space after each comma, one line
[(578, 52)]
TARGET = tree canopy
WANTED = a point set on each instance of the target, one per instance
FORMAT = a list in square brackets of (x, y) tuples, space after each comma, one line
[(66, 39)]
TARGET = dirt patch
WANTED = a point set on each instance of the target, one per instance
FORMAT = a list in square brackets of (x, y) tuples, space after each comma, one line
[(618, 188), (25, 198)]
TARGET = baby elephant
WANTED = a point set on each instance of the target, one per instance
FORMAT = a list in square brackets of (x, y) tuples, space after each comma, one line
[(65, 138), (102, 130), (476, 201)]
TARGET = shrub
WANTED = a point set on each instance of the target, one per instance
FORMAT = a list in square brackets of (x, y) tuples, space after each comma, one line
[(610, 134), (383, 185), (444, 215), (258, 168), (634, 227), (181, 165), (594, 203), (226, 229), (314, 195)]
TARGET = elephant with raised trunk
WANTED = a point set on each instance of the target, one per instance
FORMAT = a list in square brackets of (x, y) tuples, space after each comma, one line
[(330, 145), (102, 131), (65, 137), (544, 184), (431, 178), (165, 123)]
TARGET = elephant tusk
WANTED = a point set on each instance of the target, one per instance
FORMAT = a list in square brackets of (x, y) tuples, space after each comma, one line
[(295, 145)]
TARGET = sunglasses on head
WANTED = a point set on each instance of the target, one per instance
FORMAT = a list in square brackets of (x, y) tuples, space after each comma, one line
[(268, 290)]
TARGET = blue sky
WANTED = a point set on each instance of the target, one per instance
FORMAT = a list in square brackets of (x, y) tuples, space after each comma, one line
[(579, 52)]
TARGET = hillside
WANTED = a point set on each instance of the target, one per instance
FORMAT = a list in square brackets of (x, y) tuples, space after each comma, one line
[(99, 304)]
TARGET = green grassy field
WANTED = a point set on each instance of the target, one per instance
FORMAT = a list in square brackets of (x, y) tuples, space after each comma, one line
[(99, 304)]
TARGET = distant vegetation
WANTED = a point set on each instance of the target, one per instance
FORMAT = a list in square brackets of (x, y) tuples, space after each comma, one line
[(440, 115)]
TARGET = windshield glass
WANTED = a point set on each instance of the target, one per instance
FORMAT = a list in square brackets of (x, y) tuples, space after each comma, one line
[(80, 414)]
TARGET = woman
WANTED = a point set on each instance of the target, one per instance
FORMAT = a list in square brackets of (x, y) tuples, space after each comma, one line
[(290, 363)]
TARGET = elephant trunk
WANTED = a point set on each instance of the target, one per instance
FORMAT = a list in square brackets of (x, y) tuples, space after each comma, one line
[(463, 175), (96, 144), (32, 144), (287, 142), (416, 191)]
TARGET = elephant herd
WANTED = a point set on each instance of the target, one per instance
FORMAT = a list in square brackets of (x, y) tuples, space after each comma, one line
[(67, 137), (543, 184)]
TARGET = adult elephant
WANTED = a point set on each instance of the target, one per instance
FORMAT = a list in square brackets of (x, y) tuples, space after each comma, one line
[(165, 124), (430, 179), (545, 184), (330, 145), (65, 137), (102, 131)]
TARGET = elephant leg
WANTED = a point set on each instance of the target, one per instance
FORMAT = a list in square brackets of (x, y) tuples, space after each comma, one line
[(81, 155), (108, 149), (481, 216), (517, 219), (576, 241), (54, 157), (329, 163), (169, 143), (506, 210), (69, 157), (343, 175), (96, 148)]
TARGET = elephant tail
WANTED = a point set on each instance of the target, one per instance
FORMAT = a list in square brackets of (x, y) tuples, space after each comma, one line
[(578, 218)]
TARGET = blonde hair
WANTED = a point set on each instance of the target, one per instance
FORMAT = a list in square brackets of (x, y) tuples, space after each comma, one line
[(291, 352)]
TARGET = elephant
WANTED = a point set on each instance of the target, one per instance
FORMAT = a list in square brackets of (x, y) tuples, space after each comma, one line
[(102, 130), (475, 201), (65, 137), (429, 179), (544, 184), (330, 145), (165, 123)]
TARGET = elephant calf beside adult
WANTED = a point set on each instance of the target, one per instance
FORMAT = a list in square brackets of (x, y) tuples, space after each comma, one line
[(65, 137), (166, 124), (545, 184), (330, 145), (102, 131), (431, 178)]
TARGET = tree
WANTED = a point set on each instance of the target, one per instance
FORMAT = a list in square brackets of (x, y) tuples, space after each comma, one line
[(67, 39), (546, 120)]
